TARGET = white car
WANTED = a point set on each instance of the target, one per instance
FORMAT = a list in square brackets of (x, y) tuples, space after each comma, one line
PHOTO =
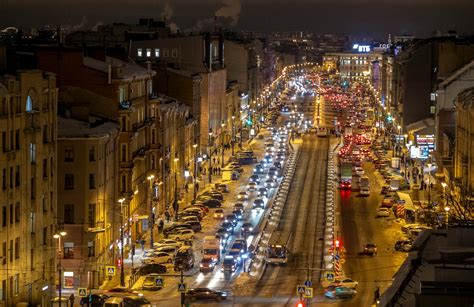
[(383, 212), (345, 282), (359, 171), (252, 187), (243, 195), (168, 242), (185, 234), (159, 257)]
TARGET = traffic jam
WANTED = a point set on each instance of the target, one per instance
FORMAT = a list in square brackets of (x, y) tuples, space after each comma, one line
[(213, 240)]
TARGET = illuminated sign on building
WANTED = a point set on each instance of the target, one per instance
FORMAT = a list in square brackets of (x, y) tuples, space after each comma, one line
[(361, 48)]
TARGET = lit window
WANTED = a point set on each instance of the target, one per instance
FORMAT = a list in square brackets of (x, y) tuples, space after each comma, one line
[(139, 52), (148, 53), (157, 53)]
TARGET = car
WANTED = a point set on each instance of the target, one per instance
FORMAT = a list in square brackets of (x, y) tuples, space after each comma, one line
[(228, 226), (240, 245), (258, 170), (255, 178), (246, 229), (239, 206), (135, 301), (173, 227), (383, 212), (185, 219), (262, 192), (370, 249), (272, 175), (222, 187), (277, 164), (359, 171), (169, 249), (219, 213), (252, 187), (270, 183), (236, 253), (243, 195), (230, 264), (222, 233), (387, 203), (159, 257), (212, 203), (94, 300), (400, 245), (168, 242), (407, 227), (182, 235), (259, 203), (207, 265), (239, 214), (345, 184), (150, 282), (151, 268), (345, 282), (339, 292), (195, 225), (231, 218), (268, 159), (205, 294), (214, 194)]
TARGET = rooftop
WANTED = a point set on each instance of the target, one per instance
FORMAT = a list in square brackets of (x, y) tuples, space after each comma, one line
[(97, 127), (129, 70)]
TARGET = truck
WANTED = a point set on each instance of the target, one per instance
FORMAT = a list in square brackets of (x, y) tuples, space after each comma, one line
[(211, 248), (278, 250), (346, 175), (364, 185)]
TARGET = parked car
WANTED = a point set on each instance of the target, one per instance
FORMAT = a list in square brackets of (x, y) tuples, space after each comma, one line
[(205, 294), (345, 282), (159, 257), (94, 300), (149, 282), (182, 235), (403, 245), (151, 268), (222, 187)]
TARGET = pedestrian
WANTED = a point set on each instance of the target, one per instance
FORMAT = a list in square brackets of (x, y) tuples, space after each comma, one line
[(167, 216), (196, 184), (219, 170), (214, 160), (160, 225), (218, 161), (186, 187), (71, 299), (142, 243)]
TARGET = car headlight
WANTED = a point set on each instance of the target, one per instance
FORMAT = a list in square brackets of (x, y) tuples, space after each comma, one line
[(250, 229), (201, 265)]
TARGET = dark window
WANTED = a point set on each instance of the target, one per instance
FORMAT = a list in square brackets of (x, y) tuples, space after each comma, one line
[(17, 139), (91, 181), (45, 168), (51, 166), (17, 176), (4, 252), (69, 213), (4, 141), (4, 216), (11, 177), (92, 154), (153, 136), (4, 179), (17, 212), (68, 154), (33, 188), (45, 133), (10, 252), (124, 153), (69, 182), (12, 139), (124, 184), (91, 215), (45, 235)]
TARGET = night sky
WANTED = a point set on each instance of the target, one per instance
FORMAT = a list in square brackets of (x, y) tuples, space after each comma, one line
[(361, 17)]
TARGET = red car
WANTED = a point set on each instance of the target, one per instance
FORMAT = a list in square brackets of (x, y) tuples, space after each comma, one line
[(346, 185)]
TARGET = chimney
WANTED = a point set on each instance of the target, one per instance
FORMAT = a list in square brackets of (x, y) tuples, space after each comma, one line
[(208, 50), (221, 50)]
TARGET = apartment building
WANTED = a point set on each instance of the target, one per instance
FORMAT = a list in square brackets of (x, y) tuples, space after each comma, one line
[(28, 195)]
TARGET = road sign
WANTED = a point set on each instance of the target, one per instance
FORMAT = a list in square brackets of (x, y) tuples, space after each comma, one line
[(330, 276), (308, 283), (159, 281), (110, 270), (300, 289), (82, 292), (308, 293), (182, 287)]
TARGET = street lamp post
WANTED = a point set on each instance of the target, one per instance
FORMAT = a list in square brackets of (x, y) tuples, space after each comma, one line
[(446, 209), (176, 204), (58, 236), (429, 184), (152, 215), (233, 134), (222, 144), (122, 273), (195, 171)]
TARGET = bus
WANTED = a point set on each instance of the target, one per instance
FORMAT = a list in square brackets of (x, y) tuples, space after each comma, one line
[(278, 250)]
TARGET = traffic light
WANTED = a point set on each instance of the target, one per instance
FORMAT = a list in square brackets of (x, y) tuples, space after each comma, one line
[(119, 262), (300, 304)]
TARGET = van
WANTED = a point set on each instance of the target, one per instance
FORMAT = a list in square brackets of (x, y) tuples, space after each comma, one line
[(184, 259)]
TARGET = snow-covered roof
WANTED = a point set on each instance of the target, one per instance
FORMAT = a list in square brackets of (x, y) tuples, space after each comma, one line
[(97, 127), (458, 73), (129, 70)]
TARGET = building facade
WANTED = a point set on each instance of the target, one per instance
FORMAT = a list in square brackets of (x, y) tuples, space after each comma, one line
[(28, 196)]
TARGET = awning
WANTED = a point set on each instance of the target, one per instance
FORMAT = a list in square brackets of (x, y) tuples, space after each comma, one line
[(407, 199)]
